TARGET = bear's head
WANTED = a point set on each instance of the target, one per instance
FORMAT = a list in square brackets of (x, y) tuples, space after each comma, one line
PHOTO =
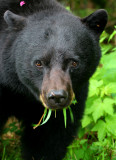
[(55, 53)]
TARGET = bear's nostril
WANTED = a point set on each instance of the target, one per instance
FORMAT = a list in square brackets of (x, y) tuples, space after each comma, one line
[(57, 97)]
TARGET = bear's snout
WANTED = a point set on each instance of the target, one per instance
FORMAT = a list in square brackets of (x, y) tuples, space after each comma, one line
[(56, 92), (57, 98)]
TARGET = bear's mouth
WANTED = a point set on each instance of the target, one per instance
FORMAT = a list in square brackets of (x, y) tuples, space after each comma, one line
[(57, 105), (47, 113)]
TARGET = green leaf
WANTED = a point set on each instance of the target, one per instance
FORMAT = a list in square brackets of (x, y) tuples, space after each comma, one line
[(111, 124), (86, 121), (112, 87), (114, 49), (109, 60), (102, 107), (94, 87), (101, 128), (112, 35), (106, 48), (97, 113), (74, 101), (81, 132), (83, 141), (98, 109), (108, 70), (103, 36), (107, 75), (108, 89), (80, 153), (108, 106), (89, 109)]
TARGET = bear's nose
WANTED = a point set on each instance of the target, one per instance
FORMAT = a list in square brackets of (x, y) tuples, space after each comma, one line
[(57, 98)]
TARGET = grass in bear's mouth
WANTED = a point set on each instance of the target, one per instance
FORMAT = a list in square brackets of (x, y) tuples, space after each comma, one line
[(48, 112)]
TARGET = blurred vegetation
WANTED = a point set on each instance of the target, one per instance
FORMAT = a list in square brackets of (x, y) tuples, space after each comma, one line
[(82, 8)]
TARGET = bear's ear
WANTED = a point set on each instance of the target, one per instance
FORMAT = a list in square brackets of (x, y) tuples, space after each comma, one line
[(13, 20), (96, 21)]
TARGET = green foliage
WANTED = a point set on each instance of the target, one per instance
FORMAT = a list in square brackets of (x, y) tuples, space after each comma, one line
[(97, 135), (9, 142)]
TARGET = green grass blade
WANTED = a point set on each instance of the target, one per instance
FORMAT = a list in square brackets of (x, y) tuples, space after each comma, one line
[(65, 117), (55, 113), (71, 114), (47, 117), (45, 114), (3, 156)]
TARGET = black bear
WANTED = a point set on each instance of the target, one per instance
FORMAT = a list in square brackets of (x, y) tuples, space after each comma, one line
[(47, 56)]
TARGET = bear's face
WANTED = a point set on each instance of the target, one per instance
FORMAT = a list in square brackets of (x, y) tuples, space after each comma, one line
[(55, 56)]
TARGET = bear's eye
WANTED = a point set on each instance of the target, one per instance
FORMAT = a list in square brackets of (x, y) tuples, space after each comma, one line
[(74, 63), (38, 63)]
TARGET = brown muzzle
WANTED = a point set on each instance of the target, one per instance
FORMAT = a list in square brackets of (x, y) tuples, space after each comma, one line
[(57, 90)]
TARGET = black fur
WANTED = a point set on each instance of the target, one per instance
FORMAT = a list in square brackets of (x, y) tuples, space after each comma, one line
[(43, 29)]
